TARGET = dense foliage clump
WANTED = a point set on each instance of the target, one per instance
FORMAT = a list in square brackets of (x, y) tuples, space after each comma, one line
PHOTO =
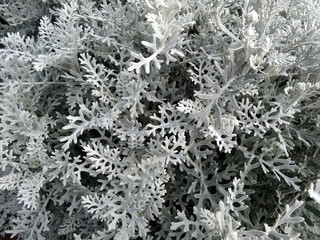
[(160, 119)]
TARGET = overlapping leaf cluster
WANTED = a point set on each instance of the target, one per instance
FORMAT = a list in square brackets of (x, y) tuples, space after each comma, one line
[(160, 119)]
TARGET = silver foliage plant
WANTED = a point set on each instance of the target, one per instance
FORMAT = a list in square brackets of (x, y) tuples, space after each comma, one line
[(160, 119)]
